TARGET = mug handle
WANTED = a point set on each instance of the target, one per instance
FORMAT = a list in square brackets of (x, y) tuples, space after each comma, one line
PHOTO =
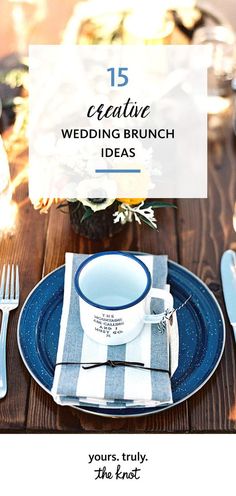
[(164, 295)]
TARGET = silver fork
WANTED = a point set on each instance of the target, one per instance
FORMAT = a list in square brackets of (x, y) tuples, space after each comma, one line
[(9, 300)]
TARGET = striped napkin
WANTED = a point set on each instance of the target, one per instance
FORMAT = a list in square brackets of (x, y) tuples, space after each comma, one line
[(119, 387)]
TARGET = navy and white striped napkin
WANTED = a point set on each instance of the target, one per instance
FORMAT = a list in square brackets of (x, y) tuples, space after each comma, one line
[(121, 386)]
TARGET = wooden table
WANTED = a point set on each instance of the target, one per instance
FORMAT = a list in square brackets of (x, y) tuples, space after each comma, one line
[(195, 235)]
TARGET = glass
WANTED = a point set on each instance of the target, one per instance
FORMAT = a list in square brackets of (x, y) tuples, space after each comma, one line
[(221, 65), (26, 14)]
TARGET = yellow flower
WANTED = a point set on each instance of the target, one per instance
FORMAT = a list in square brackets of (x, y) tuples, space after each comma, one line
[(136, 184), (131, 201), (43, 204)]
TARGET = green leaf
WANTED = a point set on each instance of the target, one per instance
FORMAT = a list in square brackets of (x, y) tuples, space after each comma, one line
[(157, 204), (146, 221), (88, 213), (62, 205)]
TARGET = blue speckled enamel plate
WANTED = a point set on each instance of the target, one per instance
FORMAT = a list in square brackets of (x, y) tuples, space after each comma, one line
[(201, 330)]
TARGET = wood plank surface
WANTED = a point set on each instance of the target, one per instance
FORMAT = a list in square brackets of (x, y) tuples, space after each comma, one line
[(26, 248), (205, 230)]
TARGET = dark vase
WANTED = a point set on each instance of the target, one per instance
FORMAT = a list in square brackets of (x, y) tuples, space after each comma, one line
[(98, 226)]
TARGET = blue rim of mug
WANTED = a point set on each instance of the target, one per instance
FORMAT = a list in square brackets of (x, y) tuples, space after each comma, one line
[(105, 307)]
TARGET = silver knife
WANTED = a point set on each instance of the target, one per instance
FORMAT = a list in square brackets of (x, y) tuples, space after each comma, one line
[(228, 275)]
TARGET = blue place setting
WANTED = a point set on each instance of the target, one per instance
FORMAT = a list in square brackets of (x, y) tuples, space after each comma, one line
[(111, 365)]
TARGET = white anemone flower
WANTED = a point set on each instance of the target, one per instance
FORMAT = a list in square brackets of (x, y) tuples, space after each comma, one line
[(97, 204), (98, 194)]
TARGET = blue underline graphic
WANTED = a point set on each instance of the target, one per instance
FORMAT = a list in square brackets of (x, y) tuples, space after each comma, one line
[(118, 171)]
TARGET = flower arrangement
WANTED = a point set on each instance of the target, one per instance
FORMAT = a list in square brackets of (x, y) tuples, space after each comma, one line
[(97, 218), (101, 217)]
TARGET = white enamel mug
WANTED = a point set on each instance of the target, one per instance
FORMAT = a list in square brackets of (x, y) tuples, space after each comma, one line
[(113, 289)]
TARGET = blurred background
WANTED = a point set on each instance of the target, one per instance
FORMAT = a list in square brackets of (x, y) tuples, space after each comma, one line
[(24, 22), (47, 19)]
